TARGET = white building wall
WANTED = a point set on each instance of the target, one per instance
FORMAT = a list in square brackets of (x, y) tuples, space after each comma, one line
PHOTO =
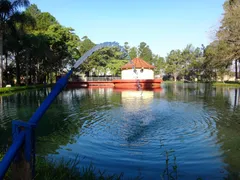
[(129, 74)]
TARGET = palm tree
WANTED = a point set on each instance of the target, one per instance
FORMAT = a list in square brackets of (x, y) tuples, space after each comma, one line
[(8, 10)]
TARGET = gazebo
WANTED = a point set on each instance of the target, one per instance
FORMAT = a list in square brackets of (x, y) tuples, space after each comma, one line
[(137, 74), (143, 70)]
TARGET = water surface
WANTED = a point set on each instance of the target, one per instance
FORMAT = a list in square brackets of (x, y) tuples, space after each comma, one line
[(132, 132)]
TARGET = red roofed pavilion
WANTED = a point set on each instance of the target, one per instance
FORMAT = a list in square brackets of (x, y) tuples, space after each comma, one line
[(143, 70), (138, 64)]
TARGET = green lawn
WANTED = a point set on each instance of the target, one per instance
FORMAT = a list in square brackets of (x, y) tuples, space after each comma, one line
[(8, 90), (51, 170), (227, 84)]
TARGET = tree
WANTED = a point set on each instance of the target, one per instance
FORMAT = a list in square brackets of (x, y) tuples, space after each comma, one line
[(44, 20), (229, 32), (174, 63), (159, 64), (126, 46), (33, 11), (133, 52), (14, 36), (215, 54), (145, 52), (196, 66), (8, 9), (114, 65)]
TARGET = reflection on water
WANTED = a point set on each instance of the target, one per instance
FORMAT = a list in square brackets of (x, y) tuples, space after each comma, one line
[(128, 131)]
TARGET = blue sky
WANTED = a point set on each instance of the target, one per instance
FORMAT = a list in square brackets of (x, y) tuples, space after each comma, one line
[(163, 24)]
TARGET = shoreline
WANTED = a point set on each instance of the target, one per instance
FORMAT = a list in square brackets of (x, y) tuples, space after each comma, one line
[(12, 90)]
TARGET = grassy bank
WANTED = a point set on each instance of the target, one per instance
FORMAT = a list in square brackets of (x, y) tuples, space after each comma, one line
[(171, 82), (227, 84), (50, 170), (216, 84), (9, 90)]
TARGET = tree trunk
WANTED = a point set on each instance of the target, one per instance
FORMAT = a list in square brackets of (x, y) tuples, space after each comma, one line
[(51, 77), (175, 76), (30, 78), (17, 70), (1, 58), (236, 71), (235, 99), (238, 67), (6, 69), (38, 74), (6, 66), (27, 70), (34, 77)]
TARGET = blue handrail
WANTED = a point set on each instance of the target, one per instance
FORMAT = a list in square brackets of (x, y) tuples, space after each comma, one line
[(11, 153), (18, 142), (27, 133), (61, 83)]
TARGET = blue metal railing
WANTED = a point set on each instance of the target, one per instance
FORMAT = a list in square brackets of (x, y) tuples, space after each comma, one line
[(24, 131), (9, 156)]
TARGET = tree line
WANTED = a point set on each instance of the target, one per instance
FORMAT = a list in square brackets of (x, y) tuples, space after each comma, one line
[(35, 47), (215, 60)]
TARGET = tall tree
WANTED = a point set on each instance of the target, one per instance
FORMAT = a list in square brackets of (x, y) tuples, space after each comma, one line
[(145, 52), (8, 9), (175, 63), (229, 31), (126, 46), (133, 52), (159, 64), (33, 11), (215, 54)]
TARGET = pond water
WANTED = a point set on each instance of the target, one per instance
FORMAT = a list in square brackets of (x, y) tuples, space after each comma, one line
[(195, 126)]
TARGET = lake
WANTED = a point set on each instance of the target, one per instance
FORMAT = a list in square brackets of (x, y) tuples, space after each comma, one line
[(195, 127)]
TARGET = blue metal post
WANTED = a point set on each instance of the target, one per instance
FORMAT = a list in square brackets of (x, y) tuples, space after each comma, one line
[(24, 131), (9, 156), (23, 164), (61, 83)]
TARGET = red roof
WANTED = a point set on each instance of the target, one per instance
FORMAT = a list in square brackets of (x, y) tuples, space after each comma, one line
[(138, 63)]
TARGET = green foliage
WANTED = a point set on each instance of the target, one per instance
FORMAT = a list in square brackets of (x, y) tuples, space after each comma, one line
[(159, 64), (133, 52), (102, 61), (40, 46), (44, 20), (145, 52), (33, 11), (7, 90), (175, 63), (126, 47), (9, 15), (114, 65), (229, 29)]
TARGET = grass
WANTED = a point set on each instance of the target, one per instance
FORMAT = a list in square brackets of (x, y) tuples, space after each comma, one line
[(169, 82), (219, 84), (62, 170), (52, 170), (227, 84), (10, 90)]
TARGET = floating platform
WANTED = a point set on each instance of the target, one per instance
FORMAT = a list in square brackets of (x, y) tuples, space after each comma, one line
[(134, 84), (143, 84), (86, 84)]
